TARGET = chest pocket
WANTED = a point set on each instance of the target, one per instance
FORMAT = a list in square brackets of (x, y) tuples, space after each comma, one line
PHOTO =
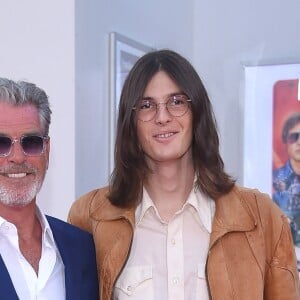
[(135, 283)]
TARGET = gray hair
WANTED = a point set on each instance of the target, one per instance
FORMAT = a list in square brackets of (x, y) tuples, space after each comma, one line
[(19, 93)]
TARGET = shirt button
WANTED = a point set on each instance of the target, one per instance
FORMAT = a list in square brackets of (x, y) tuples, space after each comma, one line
[(129, 290), (175, 280), (173, 241)]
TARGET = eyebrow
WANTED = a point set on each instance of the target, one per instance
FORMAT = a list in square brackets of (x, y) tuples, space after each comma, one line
[(168, 96)]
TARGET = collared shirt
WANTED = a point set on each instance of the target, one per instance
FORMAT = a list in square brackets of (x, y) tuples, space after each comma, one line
[(289, 198), (50, 281), (168, 260)]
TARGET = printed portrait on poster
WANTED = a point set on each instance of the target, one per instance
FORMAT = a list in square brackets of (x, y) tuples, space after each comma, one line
[(286, 152), (271, 151)]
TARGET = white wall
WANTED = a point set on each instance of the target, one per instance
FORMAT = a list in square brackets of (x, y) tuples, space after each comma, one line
[(63, 47), (37, 45), (228, 34), (155, 23), (218, 38)]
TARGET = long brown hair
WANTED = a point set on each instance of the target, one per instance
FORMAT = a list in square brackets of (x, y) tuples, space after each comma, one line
[(130, 166)]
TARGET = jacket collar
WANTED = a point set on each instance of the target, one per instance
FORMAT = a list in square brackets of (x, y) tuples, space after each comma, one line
[(105, 211), (232, 214)]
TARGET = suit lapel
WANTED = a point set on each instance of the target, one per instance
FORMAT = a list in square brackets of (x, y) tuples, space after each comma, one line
[(7, 289), (65, 246)]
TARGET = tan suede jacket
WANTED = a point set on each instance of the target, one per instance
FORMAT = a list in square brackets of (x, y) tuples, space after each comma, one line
[(251, 255)]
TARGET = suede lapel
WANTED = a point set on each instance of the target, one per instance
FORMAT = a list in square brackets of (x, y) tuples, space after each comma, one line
[(232, 214), (105, 211)]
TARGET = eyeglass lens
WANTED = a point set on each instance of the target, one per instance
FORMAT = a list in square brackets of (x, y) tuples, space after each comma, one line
[(32, 145), (293, 137), (176, 105)]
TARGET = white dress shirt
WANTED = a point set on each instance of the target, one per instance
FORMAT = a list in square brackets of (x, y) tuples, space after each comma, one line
[(168, 260), (50, 281)]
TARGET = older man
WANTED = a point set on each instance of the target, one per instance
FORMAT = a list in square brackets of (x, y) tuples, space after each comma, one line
[(41, 257)]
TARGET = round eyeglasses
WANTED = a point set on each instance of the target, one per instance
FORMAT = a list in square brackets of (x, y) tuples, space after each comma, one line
[(176, 105), (32, 145)]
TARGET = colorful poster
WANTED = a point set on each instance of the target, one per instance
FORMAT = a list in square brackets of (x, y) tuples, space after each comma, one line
[(286, 152), (271, 146)]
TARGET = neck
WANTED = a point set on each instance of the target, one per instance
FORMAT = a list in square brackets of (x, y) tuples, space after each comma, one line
[(29, 231), (24, 218), (18, 214), (169, 185)]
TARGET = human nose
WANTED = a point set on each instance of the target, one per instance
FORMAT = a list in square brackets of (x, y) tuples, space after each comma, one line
[(16, 152), (162, 113)]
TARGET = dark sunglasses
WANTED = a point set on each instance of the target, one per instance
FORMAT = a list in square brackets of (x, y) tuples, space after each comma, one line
[(293, 137), (32, 145)]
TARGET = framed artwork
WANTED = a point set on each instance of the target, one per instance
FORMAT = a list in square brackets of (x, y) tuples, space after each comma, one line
[(272, 137), (124, 52)]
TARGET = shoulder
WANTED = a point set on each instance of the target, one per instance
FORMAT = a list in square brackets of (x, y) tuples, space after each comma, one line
[(66, 229), (81, 209), (92, 198), (244, 205), (251, 194), (265, 210), (255, 198)]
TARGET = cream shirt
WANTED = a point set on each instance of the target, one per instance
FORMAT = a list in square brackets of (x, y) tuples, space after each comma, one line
[(50, 282), (167, 260)]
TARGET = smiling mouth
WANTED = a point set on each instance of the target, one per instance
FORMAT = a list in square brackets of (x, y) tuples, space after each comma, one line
[(164, 135), (16, 175)]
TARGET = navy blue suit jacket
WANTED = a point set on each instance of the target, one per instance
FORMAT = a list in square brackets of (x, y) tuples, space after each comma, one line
[(77, 250)]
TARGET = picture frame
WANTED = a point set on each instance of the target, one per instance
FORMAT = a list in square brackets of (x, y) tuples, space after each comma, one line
[(123, 53), (259, 81), (271, 98)]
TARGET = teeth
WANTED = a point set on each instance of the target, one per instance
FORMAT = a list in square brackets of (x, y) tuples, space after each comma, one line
[(16, 175), (165, 135)]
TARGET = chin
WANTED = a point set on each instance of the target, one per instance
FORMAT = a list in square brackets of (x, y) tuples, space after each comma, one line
[(18, 199), (16, 203)]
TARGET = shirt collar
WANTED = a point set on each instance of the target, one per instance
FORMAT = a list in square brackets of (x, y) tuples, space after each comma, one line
[(204, 206), (143, 206), (47, 235), (46, 230)]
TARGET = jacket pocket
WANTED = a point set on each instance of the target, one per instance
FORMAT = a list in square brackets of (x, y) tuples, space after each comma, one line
[(135, 283)]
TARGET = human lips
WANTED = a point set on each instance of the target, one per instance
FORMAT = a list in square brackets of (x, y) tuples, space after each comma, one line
[(164, 135), (16, 175)]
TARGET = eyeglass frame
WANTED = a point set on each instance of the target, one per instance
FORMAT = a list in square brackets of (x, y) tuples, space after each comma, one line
[(188, 100), (45, 138)]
